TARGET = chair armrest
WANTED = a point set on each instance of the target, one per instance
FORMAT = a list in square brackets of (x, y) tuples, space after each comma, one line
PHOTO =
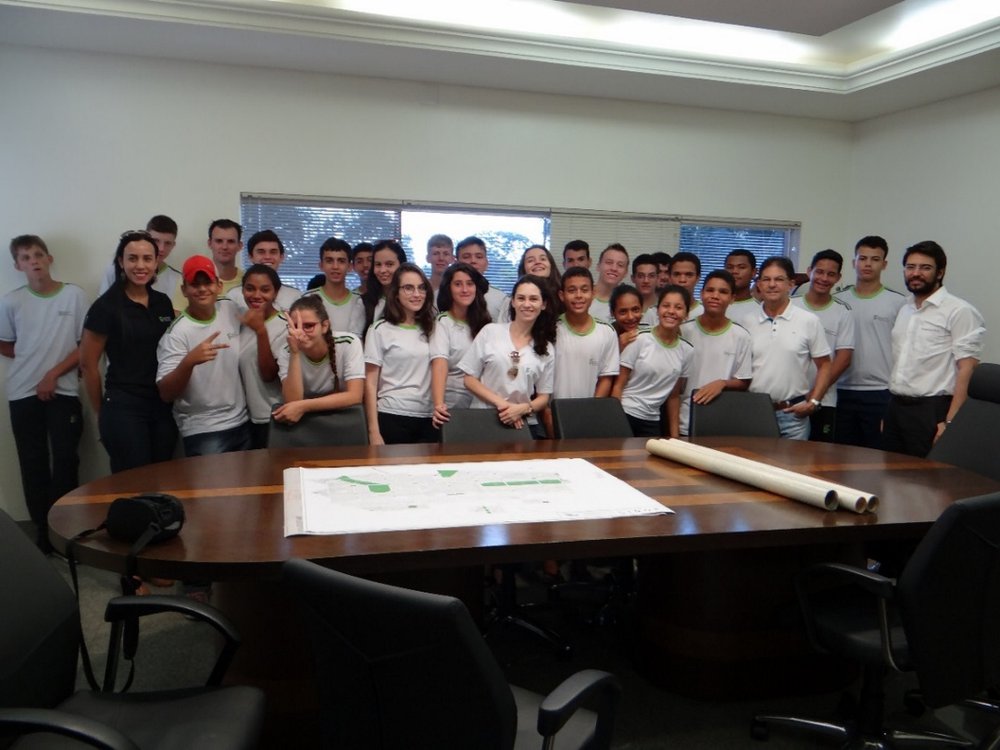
[(559, 705), (839, 574), (79, 728), (126, 608)]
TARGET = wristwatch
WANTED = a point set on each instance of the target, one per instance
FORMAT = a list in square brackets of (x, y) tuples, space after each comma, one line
[(816, 402)]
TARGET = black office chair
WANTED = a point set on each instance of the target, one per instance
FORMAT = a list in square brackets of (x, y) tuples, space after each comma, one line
[(480, 426), (589, 418), (941, 619), (322, 428), (739, 413), (401, 669), (39, 645), (971, 440)]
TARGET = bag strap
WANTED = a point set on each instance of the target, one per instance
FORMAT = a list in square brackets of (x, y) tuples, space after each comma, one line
[(88, 669)]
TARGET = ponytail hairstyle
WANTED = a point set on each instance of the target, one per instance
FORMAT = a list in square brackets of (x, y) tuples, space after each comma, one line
[(478, 315), (543, 330), (315, 304)]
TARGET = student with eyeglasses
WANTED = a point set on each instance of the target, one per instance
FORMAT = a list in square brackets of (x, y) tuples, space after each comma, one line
[(511, 366), (398, 400), (125, 325)]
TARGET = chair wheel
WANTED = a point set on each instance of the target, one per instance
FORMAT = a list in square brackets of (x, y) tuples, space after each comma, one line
[(759, 731)]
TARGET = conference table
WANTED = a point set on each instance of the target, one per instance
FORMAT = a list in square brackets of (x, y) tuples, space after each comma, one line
[(721, 562)]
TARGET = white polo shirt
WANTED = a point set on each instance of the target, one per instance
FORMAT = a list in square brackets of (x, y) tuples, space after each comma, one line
[(489, 360), (874, 317), (317, 375), (926, 343), (451, 340), (498, 304), (582, 358), (404, 383), (839, 327), (655, 367), (718, 355), (600, 309), (783, 349), (744, 312)]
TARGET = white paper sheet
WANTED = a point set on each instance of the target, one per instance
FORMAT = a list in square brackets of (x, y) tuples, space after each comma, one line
[(364, 499)]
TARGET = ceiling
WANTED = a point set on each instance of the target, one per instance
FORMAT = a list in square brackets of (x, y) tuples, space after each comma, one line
[(843, 60)]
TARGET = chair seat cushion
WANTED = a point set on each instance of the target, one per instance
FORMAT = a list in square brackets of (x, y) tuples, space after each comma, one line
[(573, 735), (225, 718)]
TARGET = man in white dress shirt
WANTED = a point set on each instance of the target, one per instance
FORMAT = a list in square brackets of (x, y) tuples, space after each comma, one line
[(936, 343)]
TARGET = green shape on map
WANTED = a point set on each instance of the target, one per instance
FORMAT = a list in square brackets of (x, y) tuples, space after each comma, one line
[(447, 472), (550, 481), (520, 482), (372, 486), (492, 484)]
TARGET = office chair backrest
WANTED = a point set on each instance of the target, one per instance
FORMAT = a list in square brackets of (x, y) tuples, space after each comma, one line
[(338, 427), (39, 624), (589, 418), (734, 413), (949, 599), (480, 426), (399, 669), (971, 440)]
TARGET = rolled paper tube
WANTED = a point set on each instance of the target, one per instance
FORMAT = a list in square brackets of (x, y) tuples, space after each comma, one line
[(849, 498), (859, 501), (759, 475)]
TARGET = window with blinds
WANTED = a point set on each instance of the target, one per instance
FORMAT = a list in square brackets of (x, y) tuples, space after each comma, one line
[(304, 223)]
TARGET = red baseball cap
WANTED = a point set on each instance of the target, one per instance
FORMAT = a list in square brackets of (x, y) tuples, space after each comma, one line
[(199, 264)]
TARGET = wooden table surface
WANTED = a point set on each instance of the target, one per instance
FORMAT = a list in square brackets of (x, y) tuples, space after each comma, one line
[(234, 528)]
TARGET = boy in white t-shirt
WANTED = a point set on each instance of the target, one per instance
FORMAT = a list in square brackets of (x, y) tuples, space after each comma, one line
[(721, 360), (472, 250), (40, 328), (198, 366), (266, 248), (586, 356), (612, 265), (344, 307)]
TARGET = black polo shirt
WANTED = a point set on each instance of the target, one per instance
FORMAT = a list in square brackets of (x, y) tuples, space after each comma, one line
[(132, 332)]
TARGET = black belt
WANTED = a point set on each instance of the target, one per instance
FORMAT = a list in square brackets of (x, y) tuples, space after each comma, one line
[(917, 400), (779, 405)]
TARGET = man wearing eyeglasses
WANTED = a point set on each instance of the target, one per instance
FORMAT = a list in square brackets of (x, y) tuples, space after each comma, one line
[(936, 343)]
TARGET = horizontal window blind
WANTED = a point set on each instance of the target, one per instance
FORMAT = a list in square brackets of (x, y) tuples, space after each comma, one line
[(638, 233)]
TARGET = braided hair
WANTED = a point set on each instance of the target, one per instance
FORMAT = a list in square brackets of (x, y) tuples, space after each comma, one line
[(315, 304)]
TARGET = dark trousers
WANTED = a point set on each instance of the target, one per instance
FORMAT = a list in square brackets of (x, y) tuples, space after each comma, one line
[(821, 424), (859, 417), (136, 430), (396, 428), (47, 436), (259, 434), (647, 428), (911, 423)]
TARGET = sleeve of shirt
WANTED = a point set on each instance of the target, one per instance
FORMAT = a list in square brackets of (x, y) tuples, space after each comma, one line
[(356, 321), (546, 378), (472, 362), (353, 362), (169, 353), (282, 354), (609, 355), (79, 312), (98, 317), (846, 333), (373, 346), (631, 354), (7, 330), (743, 361), (818, 345), (439, 342), (968, 329), (688, 359)]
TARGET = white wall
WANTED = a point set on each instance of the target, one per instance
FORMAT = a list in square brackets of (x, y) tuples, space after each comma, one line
[(94, 144), (933, 173)]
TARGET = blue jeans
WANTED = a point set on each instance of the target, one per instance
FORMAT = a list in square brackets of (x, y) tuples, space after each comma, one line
[(223, 441), (47, 436), (792, 427), (136, 430)]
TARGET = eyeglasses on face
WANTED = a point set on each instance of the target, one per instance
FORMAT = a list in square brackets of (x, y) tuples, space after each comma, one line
[(412, 289)]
